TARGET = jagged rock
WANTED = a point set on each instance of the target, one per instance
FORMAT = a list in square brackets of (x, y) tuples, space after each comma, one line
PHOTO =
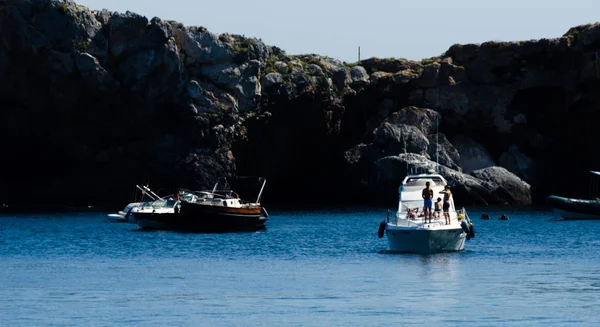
[(426, 120), (443, 152), (241, 80), (271, 80), (314, 70), (379, 78), (442, 73), (128, 34), (396, 139), (209, 96), (405, 77), (473, 156), (94, 75), (257, 49), (505, 185), (281, 67), (388, 65), (430, 75), (199, 46), (359, 76)]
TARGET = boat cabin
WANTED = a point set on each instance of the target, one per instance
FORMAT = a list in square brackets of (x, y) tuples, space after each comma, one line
[(410, 192)]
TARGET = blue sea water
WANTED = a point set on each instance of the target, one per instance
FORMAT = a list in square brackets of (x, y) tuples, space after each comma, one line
[(308, 268)]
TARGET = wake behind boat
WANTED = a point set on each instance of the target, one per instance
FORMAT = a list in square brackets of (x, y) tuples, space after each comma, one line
[(204, 211), (408, 231)]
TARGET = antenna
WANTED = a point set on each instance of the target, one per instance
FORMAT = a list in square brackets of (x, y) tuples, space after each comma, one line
[(405, 152), (437, 142)]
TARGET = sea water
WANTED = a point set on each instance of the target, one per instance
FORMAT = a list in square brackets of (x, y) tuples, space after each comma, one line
[(308, 268)]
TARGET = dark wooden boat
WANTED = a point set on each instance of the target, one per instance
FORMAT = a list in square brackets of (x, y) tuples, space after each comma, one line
[(206, 211)]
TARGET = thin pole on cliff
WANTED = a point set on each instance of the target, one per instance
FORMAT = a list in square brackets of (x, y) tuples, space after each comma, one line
[(359, 53)]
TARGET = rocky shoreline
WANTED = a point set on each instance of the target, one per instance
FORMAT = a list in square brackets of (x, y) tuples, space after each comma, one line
[(93, 102)]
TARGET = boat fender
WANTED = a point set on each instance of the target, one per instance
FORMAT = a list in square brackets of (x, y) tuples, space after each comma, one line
[(381, 229), (471, 230), (465, 228)]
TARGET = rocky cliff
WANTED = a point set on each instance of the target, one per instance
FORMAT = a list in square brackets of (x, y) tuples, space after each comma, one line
[(93, 102)]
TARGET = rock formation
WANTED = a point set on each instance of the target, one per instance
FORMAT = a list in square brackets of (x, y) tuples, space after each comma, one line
[(93, 102)]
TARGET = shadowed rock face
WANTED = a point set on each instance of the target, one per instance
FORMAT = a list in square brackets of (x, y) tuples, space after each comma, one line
[(93, 102)]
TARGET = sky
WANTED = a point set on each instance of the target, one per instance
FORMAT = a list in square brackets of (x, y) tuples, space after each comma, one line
[(381, 28)]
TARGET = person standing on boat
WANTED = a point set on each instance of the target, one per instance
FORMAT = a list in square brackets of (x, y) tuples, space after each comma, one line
[(427, 203), (446, 205), (438, 208)]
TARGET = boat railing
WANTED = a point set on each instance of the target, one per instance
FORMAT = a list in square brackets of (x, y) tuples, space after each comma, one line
[(400, 221), (161, 203)]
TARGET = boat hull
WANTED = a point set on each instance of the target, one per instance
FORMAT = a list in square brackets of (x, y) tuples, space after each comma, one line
[(575, 209), (570, 215), (204, 218), (125, 214), (425, 241)]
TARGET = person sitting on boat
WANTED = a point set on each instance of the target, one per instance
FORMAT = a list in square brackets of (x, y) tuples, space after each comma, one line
[(438, 208), (410, 213), (446, 206), (427, 195)]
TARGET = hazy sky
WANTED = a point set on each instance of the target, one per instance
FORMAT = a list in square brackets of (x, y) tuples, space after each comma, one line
[(382, 28)]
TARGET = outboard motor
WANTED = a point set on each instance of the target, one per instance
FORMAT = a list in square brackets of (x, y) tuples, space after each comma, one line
[(381, 229), (465, 228)]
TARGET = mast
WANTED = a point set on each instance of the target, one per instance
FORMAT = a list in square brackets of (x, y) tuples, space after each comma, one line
[(437, 142), (405, 152), (151, 194), (261, 190)]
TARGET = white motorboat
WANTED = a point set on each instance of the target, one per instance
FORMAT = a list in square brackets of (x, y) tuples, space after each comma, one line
[(125, 215), (409, 231)]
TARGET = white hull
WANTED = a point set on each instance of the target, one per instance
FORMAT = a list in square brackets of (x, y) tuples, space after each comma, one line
[(407, 230), (570, 215), (125, 214), (118, 217), (425, 240)]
